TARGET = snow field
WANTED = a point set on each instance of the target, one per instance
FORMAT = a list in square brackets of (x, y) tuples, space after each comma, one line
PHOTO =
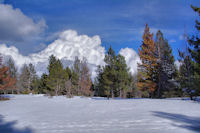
[(41, 114)]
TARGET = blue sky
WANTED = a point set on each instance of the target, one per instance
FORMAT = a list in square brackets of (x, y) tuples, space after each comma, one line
[(119, 23)]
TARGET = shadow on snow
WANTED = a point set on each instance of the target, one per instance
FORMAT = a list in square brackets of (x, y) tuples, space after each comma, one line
[(187, 122), (8, 127)]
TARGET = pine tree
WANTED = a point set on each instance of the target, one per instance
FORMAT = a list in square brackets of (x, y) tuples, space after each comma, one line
[(24, 79), (122, 76), (113, 79), (43, 87), (76, 77), (109, 73), (56, 76), (33, 80), (166, 67), (68, 82), (186, 76), (194, 50), (147, 70), (12, 68), (99, 89)]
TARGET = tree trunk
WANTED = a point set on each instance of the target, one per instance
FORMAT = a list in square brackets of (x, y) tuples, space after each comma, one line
[(191, 97), (56, 91), (108, 97), (120, 93), (124, 94), (112, 93), (18, 92), (159, 85), (159, 70)]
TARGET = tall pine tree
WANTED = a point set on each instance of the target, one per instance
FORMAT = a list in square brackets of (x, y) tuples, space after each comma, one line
[(147, 70), (122, 76), (194, 50), (75, 79), (109, 74), (56, 76), (24, 79), (166, 67)]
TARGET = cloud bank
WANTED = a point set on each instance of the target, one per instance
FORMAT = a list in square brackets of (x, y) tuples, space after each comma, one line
[(16, 26), (66, 47), (131, 57)]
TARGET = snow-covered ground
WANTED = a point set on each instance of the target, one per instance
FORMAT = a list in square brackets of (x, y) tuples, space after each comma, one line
[(40, 114)]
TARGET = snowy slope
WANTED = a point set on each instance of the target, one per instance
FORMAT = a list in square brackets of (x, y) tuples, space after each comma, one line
[(39, 114)]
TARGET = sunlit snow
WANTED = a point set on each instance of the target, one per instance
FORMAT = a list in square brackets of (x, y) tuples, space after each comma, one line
[(40, 114)]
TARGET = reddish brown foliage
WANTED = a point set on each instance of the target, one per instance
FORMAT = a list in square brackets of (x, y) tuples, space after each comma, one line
[(6, 81), (149, 62)]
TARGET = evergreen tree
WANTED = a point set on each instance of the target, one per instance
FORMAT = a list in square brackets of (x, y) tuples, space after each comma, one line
[(147, 70), (166, 67), (76, 77), (186, 76), (12, 68), (113, 79), (56, 76), (24, 79), (194, 50), (99, 89), (43, 87), (109, 73), (33, 79), (68, 82), (133, 90), (122, 75)]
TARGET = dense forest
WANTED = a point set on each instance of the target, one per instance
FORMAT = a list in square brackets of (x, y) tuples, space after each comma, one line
[(157, 75)]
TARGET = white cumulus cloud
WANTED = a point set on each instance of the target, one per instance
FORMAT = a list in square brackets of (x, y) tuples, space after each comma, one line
[(68, 45), (14, 53), (132, 58), (16, 26)]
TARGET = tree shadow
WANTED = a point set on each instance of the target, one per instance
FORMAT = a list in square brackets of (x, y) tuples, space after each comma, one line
[(187, 122), (8, 127)]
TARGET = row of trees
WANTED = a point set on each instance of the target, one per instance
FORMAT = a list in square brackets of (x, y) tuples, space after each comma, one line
[(157, 74), (113, 79), (74, 81), (58, 81), (190, 60)]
